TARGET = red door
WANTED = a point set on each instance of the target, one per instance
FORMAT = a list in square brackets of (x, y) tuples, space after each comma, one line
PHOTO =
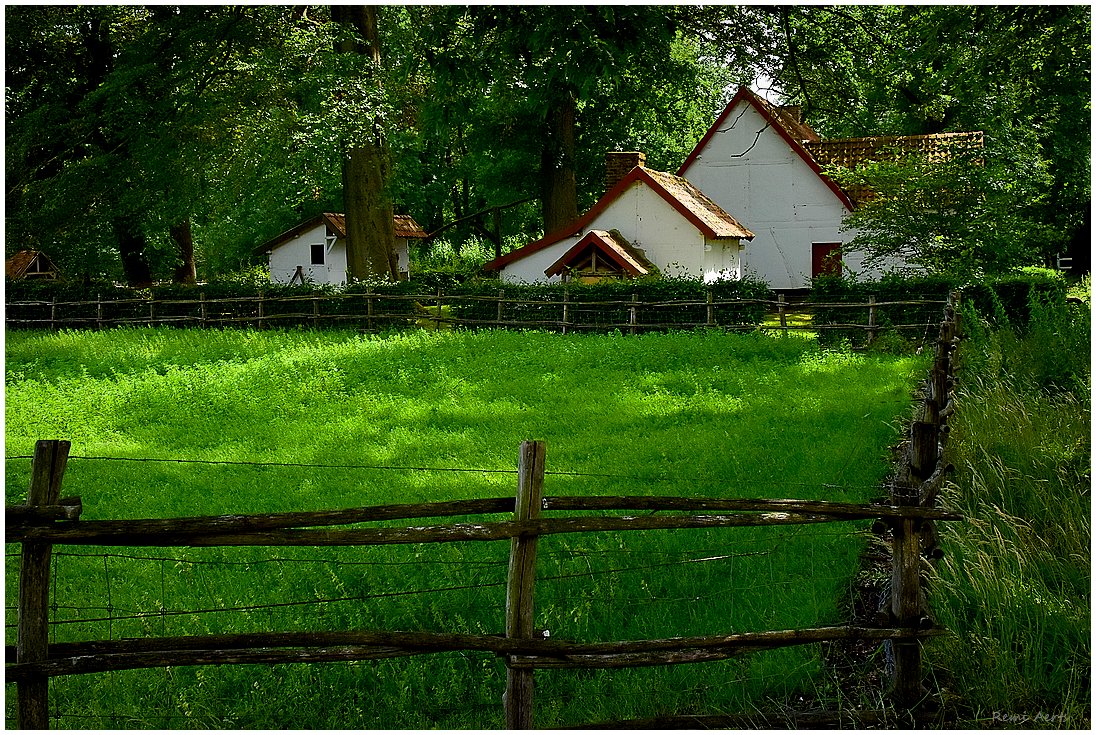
[(825, 259)]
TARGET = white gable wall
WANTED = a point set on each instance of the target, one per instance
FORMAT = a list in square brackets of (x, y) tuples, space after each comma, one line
[(652, 225), (750, 170), (284, 259)]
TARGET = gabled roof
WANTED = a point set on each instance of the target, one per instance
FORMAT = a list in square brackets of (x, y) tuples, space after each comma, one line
[(612, 246), (404, 224), (19, 264), (695, 206), (782, 124)]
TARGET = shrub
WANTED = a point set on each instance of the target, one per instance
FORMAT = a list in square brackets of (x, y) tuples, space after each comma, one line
[(608, 305), (1004, 300)]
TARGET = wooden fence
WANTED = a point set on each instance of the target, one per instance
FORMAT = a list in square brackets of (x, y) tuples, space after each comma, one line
[(48, 519), (561, 312)]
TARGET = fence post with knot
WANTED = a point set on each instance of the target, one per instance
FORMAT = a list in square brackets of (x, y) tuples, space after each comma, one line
[(521, 577), (47, 470)]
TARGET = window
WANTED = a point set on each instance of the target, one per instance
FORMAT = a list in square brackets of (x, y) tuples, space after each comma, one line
[(317, 254)]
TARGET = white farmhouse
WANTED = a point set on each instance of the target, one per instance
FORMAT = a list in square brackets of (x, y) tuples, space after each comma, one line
[(315, 250), (765, 165), (648, 221)]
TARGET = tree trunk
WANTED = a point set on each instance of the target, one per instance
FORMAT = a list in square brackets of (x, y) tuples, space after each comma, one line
[(370, 235), (559, 199), (131, 248), (370, 239), (183, 238)]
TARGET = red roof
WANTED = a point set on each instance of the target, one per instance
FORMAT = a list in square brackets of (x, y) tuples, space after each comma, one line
[(703, 213)]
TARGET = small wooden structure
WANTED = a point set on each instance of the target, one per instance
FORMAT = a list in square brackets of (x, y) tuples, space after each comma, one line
[(30, 264), (601, 255)]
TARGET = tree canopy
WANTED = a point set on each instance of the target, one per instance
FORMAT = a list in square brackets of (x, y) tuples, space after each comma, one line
[(166, 142)]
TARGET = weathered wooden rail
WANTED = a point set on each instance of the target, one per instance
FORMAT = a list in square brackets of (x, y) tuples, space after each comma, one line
[(47, 520), (372, 311)]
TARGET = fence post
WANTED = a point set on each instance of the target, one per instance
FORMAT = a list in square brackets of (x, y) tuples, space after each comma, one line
[(502, 295), (633, 315), (907, 604), (521, 577), (780, 309), (202, 308), (566, 296), (98, 312), (259, 323), (437, 319), (369, 310), (47, 470), (871, 319), (711, 308), (53, 313)]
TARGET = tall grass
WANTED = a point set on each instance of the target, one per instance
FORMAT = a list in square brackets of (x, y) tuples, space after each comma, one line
[(1014, 586), (352, 420)]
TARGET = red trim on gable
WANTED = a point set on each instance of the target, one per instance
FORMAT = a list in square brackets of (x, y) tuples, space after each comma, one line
[(744, 93), (594, 239)]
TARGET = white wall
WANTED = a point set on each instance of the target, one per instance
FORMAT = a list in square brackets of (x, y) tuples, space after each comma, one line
[(654, 226), (751, 171), (285, 258), (722, 260)]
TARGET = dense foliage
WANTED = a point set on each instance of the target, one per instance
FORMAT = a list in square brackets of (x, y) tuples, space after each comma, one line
[(163, 142), (1021, 74)]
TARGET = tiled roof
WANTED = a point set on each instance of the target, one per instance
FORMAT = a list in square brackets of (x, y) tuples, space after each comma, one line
[(699, 204), (789, 117), (407, 227), (404, 224), (851, 152)]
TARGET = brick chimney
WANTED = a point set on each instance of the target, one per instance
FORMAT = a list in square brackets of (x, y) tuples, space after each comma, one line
[(619, 163)]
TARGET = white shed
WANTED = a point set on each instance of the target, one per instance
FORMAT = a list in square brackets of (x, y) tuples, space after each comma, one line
[(315, 250), (647, 221)]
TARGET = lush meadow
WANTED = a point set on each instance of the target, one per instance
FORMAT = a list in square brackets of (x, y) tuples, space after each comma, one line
[(299, 420)]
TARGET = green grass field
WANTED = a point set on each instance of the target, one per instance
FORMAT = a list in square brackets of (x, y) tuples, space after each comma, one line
[(426, 416)]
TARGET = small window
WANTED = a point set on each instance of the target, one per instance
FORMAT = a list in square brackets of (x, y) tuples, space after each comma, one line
[(317, 254)]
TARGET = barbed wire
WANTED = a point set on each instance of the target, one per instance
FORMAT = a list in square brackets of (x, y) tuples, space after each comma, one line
[(137, 615)]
